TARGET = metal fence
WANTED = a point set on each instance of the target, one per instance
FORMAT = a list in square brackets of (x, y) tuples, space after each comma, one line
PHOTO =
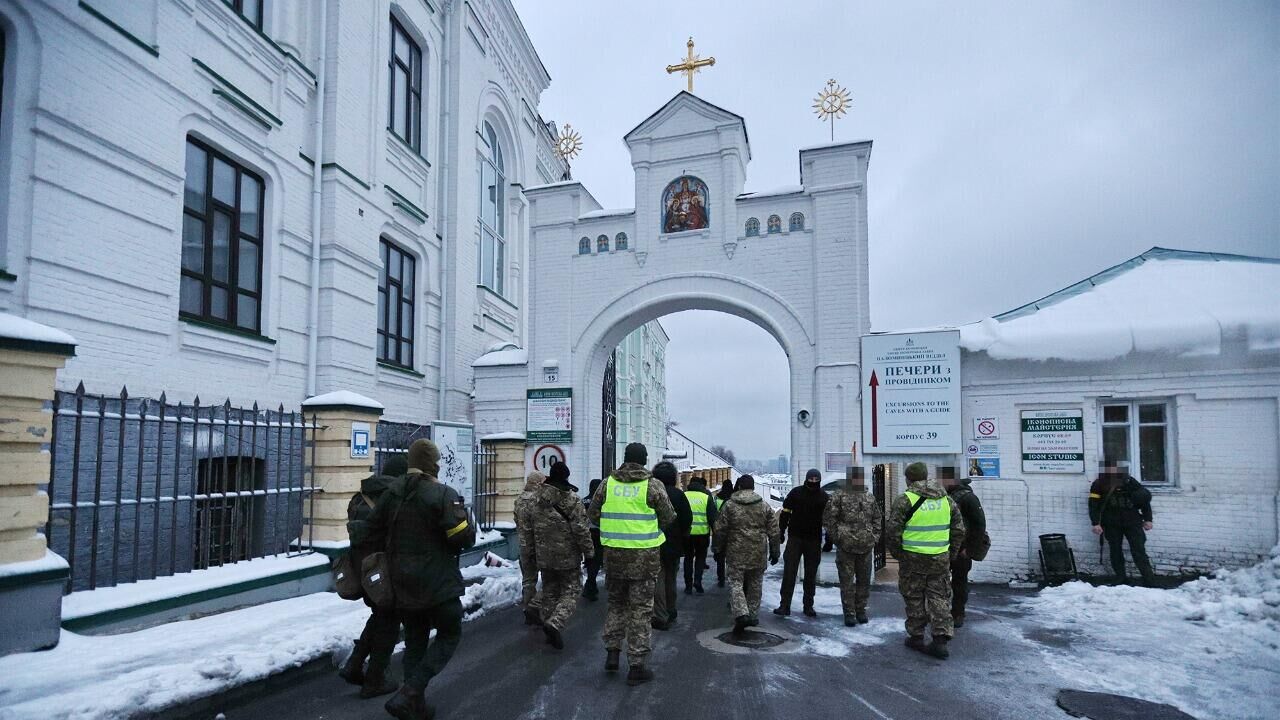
[(484, 461), (394, 439), (142, 488)]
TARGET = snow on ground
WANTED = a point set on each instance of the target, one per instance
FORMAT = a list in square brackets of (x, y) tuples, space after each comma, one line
[(111, 676), (1210, 647)]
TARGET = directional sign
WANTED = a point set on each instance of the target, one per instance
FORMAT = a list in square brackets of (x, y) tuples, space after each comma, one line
[(911, 393)]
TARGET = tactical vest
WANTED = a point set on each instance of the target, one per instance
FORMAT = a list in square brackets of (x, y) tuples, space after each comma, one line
[(626, 520), (928, 532), (698, 504)]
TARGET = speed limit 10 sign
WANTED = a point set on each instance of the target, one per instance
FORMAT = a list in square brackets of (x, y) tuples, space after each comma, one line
[(546, 455)]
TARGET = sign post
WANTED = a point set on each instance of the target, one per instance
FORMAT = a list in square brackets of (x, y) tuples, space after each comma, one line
[(911, 393), (1053, 441)]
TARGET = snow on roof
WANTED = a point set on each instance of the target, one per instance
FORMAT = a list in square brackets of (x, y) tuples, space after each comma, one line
[(783, 190), (606, 213), (16, 328), (343, 397), (510, 435), (548, 186), (1171, 301), (828, 146), (512, 356)]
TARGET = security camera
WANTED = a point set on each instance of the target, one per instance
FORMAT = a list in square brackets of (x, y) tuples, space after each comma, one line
[(805, 417)]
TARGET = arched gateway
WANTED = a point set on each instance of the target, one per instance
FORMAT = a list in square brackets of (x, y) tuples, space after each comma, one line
[(689, 248)]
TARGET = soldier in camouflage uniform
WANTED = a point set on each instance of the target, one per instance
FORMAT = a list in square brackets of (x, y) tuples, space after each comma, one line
[(852, 520), (746, 530), (561, 539), (529, 598), (924, 578), (632, 572)]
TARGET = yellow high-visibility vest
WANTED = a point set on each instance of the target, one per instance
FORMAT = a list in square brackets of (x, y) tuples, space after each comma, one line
[(698, 503), (626, 520), (928, 532)]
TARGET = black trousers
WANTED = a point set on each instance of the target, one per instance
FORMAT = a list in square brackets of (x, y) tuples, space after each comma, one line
[(1137, 537), (960, 568), (381, 632), (695, 559), (810, 550), (664, 590), (593, 564), (425, 658)]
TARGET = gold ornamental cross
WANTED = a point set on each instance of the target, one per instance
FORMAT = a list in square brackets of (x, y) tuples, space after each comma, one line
[(692, 64)]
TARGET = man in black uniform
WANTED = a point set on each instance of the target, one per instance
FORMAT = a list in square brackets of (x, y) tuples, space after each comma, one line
[(1120, 509), (802, 515), (591, 590), (423, 525), (673, 549), (975, 530)]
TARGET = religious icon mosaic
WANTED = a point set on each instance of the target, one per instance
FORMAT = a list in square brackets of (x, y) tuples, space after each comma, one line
[(685, 205), (775, 224)]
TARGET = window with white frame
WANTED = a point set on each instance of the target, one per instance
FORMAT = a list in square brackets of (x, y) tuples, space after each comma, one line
[(493, 246), (1138, 432)]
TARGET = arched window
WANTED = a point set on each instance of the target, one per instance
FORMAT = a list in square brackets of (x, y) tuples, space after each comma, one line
[(753, 227), (796, 222), (405, 113), (620, 242), (493, 246), (775, 224), (602, 244), (584, 246), (685, 205)]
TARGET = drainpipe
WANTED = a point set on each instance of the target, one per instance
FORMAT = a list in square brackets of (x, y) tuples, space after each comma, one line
[(317, 127), (442, 207)]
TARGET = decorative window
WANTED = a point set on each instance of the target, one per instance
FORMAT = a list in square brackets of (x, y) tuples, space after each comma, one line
[(796, 222), (620, 242), (753, 227), (250, 10), (396, 305), (602, 244), (685, 205), (406, 87), (584, 246), (221, 240), (775, 224), (1137, 432), (493, 246)]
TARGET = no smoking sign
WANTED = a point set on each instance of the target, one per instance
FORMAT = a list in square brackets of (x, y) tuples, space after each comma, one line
[(986, 428)]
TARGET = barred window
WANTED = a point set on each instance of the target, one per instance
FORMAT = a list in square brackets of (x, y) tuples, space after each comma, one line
[(396, 306), (221, 240), (406, 87)]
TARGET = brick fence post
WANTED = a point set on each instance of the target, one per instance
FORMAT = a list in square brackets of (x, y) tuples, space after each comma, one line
[(337, 474), (509, 471), (31, 576)]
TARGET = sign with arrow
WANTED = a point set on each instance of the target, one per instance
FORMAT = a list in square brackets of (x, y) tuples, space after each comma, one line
[(911, 393)]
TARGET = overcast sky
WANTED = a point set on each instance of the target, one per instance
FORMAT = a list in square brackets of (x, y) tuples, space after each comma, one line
[(1019, 147)]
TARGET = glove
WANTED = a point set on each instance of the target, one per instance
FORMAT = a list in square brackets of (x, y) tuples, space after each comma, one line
[(773, 558), (782, 537)]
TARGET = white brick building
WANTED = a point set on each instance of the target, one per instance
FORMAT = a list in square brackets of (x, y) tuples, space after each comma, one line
[(640, 369), (427, 135)]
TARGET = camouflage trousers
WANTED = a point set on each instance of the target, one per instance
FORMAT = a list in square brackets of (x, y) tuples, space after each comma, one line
[(559, 596), (855, 582), (529, 596), (928, 599), (745, 586), (630, 612)]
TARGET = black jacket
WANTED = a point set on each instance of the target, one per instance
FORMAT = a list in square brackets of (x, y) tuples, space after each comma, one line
[(802, 512), (423, 540), (677, 536), (1119, 502), (975, 519), (359, 510)]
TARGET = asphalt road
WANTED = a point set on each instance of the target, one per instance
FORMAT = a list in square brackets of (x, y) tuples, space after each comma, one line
[(504, 671)]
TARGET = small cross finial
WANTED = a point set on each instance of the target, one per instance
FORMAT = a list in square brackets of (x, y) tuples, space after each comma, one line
[(692, 64)]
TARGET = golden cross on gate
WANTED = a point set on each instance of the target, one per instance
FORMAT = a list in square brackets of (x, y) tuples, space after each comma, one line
[(692, 63)]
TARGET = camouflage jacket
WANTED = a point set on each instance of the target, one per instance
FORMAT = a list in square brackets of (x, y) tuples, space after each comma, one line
[(897, 520), (747, 531), (523, 506), (631, 564), (852, 520), (560, 534)]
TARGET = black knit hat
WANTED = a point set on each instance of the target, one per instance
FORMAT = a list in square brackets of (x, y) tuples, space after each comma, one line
[(395, 466), (635, 453), (811, 474), (559, 472), (916, 472), (746, 482), (666, 472)]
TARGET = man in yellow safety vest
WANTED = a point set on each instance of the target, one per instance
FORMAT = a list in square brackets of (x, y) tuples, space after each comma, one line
[(705, 510), (925, 531), (631, 509)]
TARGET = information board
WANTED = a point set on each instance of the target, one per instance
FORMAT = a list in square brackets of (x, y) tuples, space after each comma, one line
[(549, 415), (456, 443), (911, 393), (1053, 441)]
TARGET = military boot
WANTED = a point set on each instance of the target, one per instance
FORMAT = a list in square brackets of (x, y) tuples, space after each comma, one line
[(353, 669), (532, 616), (862, 617), (958, 620), (591, 591), (916, 642), (697, 587), (782, 610), (849, 622), (375, 678), (809, 611), (407, 704), (553, 637), (938, 648), (638, 675), (611, 660), (740, 624)]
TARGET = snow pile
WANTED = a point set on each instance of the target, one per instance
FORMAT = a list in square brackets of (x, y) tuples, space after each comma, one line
[(1172, 304), (113, 676), (1199, 647)]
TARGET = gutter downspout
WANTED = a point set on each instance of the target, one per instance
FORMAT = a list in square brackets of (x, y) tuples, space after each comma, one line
[(317, 127), (442, 208)]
